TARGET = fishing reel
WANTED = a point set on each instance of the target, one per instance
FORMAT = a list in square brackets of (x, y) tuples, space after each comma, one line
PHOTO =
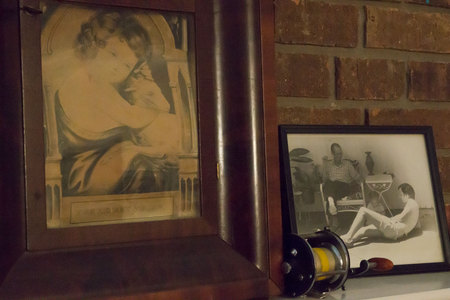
[(318, 263)]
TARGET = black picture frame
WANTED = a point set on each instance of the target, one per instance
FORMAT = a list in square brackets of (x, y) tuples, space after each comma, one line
[(395, 152)]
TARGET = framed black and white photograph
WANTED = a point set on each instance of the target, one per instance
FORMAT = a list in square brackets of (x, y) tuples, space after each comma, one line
[(378, 188)]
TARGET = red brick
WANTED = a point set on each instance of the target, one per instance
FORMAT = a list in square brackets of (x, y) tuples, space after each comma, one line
[(441, 3), (320, 116), (396, 29), (438, 119), (316, 23), (372, 79), (444, 173), (429, 81), (302, 75)]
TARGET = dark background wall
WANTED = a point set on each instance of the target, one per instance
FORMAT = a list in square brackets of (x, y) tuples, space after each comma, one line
[(351, 62)]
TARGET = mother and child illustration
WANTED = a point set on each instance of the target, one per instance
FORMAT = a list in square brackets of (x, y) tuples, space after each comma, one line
[(107, 111), (120, 109), (118, 130)]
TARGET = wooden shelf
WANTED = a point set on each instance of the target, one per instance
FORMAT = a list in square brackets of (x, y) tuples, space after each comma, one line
[(434, 286), (140, 269)]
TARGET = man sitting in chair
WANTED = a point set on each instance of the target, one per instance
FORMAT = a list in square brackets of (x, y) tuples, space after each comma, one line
[(392, 228), (340, 180)]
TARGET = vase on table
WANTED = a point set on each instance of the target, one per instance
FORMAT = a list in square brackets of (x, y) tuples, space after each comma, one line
[(369, 163)]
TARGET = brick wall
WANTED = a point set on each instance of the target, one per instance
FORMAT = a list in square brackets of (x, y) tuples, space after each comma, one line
[(356, 62)]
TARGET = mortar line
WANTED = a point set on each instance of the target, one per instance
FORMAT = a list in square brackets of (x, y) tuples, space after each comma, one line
[(404, 6), (366, 53), (366, 103)]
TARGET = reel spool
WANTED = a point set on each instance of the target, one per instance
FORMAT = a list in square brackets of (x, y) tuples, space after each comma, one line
[(314, 264)]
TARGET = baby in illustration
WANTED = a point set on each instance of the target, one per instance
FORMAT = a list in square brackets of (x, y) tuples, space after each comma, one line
[(164, 132)]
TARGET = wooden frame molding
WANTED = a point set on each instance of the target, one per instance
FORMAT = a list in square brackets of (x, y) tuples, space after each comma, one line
[(233, 251)]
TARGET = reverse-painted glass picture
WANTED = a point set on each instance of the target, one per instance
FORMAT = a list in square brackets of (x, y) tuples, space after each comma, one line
[(120, 115), (377, 188)]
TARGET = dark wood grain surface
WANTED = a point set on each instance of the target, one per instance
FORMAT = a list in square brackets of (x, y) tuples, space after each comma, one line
[(447, 213), (12, 205), (240, 150), (271, 143), (232, 251), (172, 265), (166, 5)]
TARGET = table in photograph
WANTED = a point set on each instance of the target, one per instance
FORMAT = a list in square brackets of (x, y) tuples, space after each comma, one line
[(380, 183)]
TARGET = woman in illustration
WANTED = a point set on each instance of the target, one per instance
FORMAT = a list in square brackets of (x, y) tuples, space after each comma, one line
[(110, 114)]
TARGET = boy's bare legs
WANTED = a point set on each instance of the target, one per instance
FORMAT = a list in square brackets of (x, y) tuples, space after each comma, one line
[(369, 231), (356, 230)]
